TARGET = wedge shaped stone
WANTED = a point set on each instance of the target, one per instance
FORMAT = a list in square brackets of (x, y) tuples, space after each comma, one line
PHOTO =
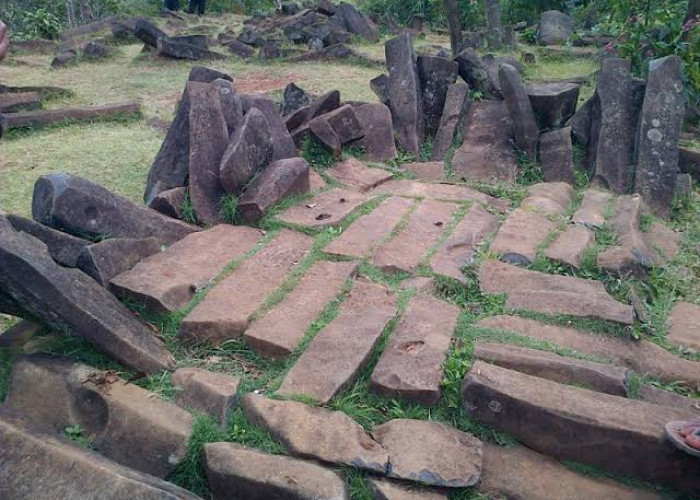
[(324, 210), (378, 141), (354, 173), (104, 260), (170, 202), (213, 393), (62, 247)]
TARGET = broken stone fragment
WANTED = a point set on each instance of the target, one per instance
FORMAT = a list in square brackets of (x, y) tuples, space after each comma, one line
[(436, 75), (354, 173), (378, 140), (555, 28), (104, 260), (282, 143), (553, 103), (452, 118), (63, 247), (170, 202), (213, 393)]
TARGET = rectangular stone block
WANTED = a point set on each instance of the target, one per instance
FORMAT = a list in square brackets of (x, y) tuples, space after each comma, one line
[(590, 213), (521, 234), (213, 393), (325, 210), (570, 245), (356, 174), (445, 192)]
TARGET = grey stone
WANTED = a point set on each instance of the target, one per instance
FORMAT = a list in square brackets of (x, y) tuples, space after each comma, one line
[(104, 260), (356, 22), (252, 38), (378, 140), (452, 119), (231, 105), (436, 75), (553, 103), (520, 110), (282, 143), (379, 85), (210, 392), (170, 202), (96, 50), (62, 247), (557, 156), (148, 33), (555, 28), (294, 98)]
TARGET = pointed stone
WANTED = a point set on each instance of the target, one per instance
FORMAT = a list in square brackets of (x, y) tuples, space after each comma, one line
[(378, 140), (324, 210), (520, 110), (379, 85), (212, 393), (592, 208), (282, 144), (521, 234), (104, 260), (570, 246), (63, 247), (14, 338), (354, 173), (452, 119), (322, 131)]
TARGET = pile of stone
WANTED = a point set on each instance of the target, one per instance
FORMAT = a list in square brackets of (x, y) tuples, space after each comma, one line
[(193, 47)]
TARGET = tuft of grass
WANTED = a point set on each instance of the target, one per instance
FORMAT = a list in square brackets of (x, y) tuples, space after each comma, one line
[(229, 209), (318, 155)]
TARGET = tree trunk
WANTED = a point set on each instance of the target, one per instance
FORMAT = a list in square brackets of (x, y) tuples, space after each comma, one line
[(493, 15), (454, 22)]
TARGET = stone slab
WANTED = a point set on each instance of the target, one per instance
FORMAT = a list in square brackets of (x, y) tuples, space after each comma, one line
[(570, 246), (621, 435), (558, 193), (210, 392), (662, 397), (324, 210), (104, 260), (453, 114), (424, 228), (684, 326), (445, 192), (317, 433), (44, 117), (384, 489), (316, 182), (411, 366), (592, 208), (427, 171), (167, 281), (369, 230), (521, 234), (378, 140), (226, 310), (278, 333), (336, 355), (354, 173)]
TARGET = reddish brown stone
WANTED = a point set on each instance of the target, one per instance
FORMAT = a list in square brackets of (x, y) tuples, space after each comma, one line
[(430, 171), (453, 115), (590, 213), (423, 230), (278, 333), (170, 202), (410, 367), (446, 192), (657, 396), (168, 280), (684, 326), (384, 489), (213, 393), (361, 237), (558, 193), (378, 141), (316, 182), (344, 123), (521, 234), (570, 245), (339, 351), (323, 132), (356, 174), (324, 210), (226, 310), (104, 260)]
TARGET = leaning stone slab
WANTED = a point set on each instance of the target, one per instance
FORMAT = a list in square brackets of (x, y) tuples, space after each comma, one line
[(324, 210), (684, 326), (324, 104), (104, 260), (570, 245), (62, 247), (553, 103), (336, 355), (430, 453), (643, 357), (227, 309), (411, 366), (282, 143), (371, 229), (621, 435), (69, 300), (595, 376), (44, 117), (80, 207), (317, 433), (592, 208), (323, 133), (446, 192), (60, 469), (521, 234), (254, 475), (520, 110), (452, 119), (458, 251), (354, 173), (213, 393), (552, 294), (124, 422), (424, 228), (279, 332), (557, 156), (436, 75), (167, 281), (378, 140)]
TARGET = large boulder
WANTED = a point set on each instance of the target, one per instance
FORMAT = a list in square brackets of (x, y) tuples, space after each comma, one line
[(555, 28), (553, 103), (80, 207), (520, 110), (356, 22), (378, 141), (282, 144), (436, 75)]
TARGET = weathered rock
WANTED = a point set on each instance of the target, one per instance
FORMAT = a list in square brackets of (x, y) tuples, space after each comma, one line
[(557, 156), (555, 28), (356, 22), (226, 312), (170, 202), (316, 433), (521, 234), (436, 75), (45, 117), (213, 393), (60, 469), (191, 47), (148, 33), (581, 127), (323, 133), (487, 153), (282, 144), (354, 173), (590, 213), (473, 71), (383, 489), (15, 338), (324, 104), (236, 472), (324, 210), (96, 50), (550, 198), (325, 7), (104, 260), (662, 118), (252, 38), (661, 397), (337, 353), (570, 423), (379, 86), (231, 105), (240, 49), (167, 281), (552, 294), (11, 102), (684, 186), (553, 103), (570, 245), (430, 453), (404, 90), (689, 162), (614, 142), (424, 228), (64, 58), (345, 123), (410, 367), (62, 247), (271, 49), (684, 326), (123, 421), (452, 119), (293, 98), (520, 110), (428, 171), (447, 192), (378, 139)]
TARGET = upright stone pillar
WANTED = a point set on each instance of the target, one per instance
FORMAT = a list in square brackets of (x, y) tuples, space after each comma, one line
[(454, 23), (493, 15)]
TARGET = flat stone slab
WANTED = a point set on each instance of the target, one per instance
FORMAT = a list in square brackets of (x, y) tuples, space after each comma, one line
[(254, 475), (445, 192), (226, 310), (104, 260), (559, 193), (339, 351), (411, 366), (317, 433), (645, 358), (430, 453), (316, 182), (369, 230), (167, 281), (458, 251), (279, 332), (354, 173), (621, 435), (601, 377), (424, 228), (662, 397), (213, 393), (428, 171), (43, 117), (516, 472), (592, 208), (570, 245), (521, 234), (324, 210), (383, 489), (552, 294), (684, 325)]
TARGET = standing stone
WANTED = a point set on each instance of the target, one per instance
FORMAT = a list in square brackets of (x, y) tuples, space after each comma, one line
[(249, 151), (520, 109), (294, 98), (555, 28), (378, 140), (614, 149), (70, 203), (493, 15), (452, 119), (231, 105), (282, 143), (104, 260), (454, 23), (212, 393), (553, 103), (662, 119), (208, 141), (436, 75), (557, 156), (405, 99)]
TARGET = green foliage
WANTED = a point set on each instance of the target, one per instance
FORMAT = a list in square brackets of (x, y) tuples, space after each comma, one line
[(317, 154), (529, 10), (75, 434), (39, 23), (229, 209)]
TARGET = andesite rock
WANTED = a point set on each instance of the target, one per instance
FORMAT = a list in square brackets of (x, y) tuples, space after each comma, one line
[(344, 123), (148, 33), (662, 397), (170, 202), (325, 209), (231, 105), (594, 204), (436, 75), (282, 143), (521, 234), (435, 191), (15, 338), (684, 326), (520, 110), (240, 49), (211, 392), (426, 171), (356, 22), (570, 245), (322, 132), (378, 140), (384, 489), (452, 118), (104, 260), (63, 247), (379, 85), (555, 28), (473, 71), (356, 174), (557, 156), (553, 103), (294, 97)]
